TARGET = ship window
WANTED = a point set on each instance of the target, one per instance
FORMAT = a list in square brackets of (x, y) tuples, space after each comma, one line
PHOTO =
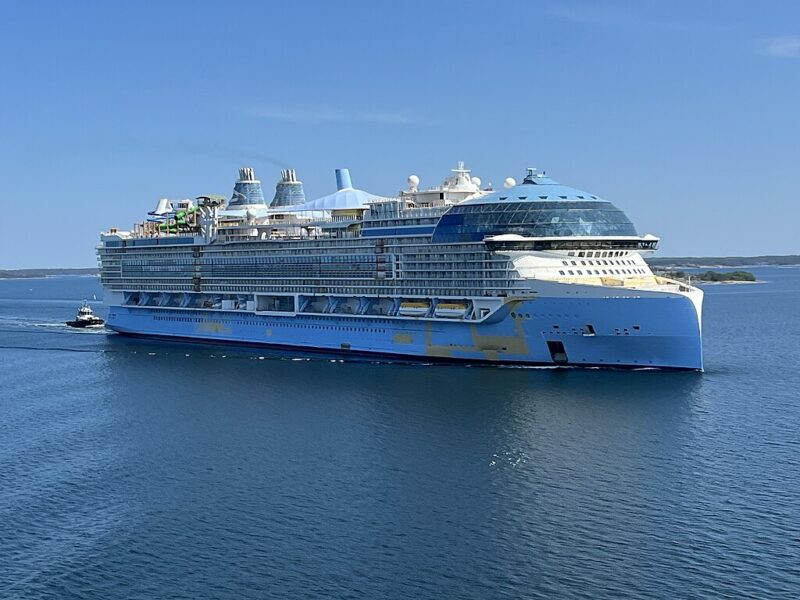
[(572, 273), (566, 264), (580, 272), (561, 273), (574, 263)]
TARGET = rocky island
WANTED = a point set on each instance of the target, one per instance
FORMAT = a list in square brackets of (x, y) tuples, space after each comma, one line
[(713, 276)]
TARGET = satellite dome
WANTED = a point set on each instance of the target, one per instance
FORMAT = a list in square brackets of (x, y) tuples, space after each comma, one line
[(476, 181), (509, 182)]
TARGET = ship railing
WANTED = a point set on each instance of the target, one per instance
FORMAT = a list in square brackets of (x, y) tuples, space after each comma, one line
[(672, 284), (265, 236)]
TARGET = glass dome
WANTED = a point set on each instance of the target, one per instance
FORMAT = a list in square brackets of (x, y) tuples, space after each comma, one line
[(538, 207)]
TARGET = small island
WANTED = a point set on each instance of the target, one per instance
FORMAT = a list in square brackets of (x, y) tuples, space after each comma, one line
[(713, 276)]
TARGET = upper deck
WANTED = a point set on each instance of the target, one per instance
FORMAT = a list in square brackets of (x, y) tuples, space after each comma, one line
[(539, 210)]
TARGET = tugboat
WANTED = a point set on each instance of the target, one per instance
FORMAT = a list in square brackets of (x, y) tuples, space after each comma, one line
[(86, 318)]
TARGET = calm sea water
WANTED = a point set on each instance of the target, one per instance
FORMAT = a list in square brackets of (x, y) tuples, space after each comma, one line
[(132, 469)]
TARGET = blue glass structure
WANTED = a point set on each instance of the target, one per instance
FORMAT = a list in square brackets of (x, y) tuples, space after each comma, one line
[(247, 191), (538, 207), (288, 191)]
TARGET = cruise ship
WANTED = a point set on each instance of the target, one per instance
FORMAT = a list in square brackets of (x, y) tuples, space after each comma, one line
[(534, 273)]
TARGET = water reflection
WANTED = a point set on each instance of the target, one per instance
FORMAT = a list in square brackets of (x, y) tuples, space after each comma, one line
[(164, 461)]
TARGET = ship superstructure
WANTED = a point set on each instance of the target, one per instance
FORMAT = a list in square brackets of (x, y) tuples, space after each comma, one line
[(535, 273)]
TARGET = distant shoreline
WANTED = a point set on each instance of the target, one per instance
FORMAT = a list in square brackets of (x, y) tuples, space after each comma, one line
[(721, 262), (42, 273), (728, 282)]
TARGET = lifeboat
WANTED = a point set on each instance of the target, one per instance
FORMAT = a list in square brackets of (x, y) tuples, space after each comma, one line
[(414, 308), (451, 310)]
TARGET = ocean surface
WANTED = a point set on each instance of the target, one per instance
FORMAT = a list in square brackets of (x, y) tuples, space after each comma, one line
[(135, 469)]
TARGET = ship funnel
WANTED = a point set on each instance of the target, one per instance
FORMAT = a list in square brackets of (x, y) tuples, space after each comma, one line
[(247, 190), (289, 190), (343, 179)]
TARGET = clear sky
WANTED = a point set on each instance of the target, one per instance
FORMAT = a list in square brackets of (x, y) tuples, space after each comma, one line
[(685, 114)]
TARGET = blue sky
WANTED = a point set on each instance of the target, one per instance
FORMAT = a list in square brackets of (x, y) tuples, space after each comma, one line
[(684, 114)]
